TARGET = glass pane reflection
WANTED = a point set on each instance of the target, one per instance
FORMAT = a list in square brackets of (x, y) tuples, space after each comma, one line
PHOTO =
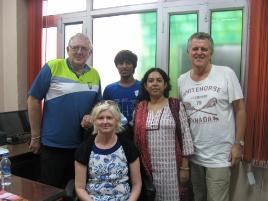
[(97, 4), (70, 30), (54, 7), (49, 44), (226, 30), (135, 32), (182, 26)]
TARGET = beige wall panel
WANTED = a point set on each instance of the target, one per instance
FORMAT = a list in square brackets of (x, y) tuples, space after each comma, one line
[(1, 58), (22, 53), (10, 81), (13, 55), (240, 188)]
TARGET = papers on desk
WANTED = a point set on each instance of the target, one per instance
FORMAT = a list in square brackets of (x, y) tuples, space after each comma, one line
[(6, 196), (3, 151)]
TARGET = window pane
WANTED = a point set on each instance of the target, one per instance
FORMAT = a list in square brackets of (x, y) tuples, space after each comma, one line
[(226, 30), (113, 3), (182, 26), (135, 32), (49, 42), (69, 31), (53, 7)]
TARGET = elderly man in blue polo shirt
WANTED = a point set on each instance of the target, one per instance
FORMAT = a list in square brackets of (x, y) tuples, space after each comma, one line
[(69, 89)]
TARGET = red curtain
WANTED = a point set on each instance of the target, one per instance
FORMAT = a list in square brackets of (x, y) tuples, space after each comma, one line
[(34, 38), (256, 138), (50, 21)]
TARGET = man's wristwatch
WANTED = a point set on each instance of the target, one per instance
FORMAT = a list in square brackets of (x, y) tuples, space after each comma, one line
[(240, 142)]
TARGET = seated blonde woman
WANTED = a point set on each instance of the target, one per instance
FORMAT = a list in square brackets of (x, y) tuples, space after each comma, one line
[(107, 165)]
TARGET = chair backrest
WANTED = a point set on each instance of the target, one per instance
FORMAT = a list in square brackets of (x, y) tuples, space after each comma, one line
[(70, 191)]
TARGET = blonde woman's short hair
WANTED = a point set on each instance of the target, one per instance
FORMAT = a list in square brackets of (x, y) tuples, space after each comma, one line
[(112, 107)]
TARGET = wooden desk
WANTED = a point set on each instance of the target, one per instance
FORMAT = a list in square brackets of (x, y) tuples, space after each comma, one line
[(17, 149), (34, 191)]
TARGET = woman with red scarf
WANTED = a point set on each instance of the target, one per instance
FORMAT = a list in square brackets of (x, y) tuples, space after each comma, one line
[(162, 135)]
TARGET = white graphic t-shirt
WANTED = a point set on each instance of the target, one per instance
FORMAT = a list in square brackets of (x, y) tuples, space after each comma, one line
[(208, 104)]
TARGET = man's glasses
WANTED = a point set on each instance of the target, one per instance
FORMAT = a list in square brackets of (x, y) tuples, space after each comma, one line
[(77, 48)]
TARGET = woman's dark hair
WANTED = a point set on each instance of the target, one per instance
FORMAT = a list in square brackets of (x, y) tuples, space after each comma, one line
[(144, 95)]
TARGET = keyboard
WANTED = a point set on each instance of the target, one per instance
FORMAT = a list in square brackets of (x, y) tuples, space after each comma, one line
[(19, 139)]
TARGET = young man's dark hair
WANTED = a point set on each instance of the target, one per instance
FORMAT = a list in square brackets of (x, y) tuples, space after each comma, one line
[(126, 56)]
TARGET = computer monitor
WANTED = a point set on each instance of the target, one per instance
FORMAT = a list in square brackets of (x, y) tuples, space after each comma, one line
[(15, 123)]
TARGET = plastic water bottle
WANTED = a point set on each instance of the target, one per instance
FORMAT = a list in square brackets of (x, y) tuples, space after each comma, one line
[(5, 165)]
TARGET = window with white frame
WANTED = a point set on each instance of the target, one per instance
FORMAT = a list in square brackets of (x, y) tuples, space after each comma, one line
[(71, 29), (157, 31), (97, 4), (134, 32), (56, 7)]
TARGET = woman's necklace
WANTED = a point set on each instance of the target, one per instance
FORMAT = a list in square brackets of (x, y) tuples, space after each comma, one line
[(106, 144), (156, 106)]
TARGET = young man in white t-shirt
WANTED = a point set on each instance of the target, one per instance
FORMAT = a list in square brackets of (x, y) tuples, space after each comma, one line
[(213, 100)]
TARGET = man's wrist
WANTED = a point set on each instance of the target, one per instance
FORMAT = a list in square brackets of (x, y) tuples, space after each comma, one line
[(35, 138)]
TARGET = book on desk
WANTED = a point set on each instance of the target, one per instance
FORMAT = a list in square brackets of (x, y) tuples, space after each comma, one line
[(7, 196)]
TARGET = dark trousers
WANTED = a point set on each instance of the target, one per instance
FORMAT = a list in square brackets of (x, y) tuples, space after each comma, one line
[(57, 166)]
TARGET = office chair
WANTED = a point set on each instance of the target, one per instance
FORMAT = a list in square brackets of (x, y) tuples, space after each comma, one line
[(70, 194)]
